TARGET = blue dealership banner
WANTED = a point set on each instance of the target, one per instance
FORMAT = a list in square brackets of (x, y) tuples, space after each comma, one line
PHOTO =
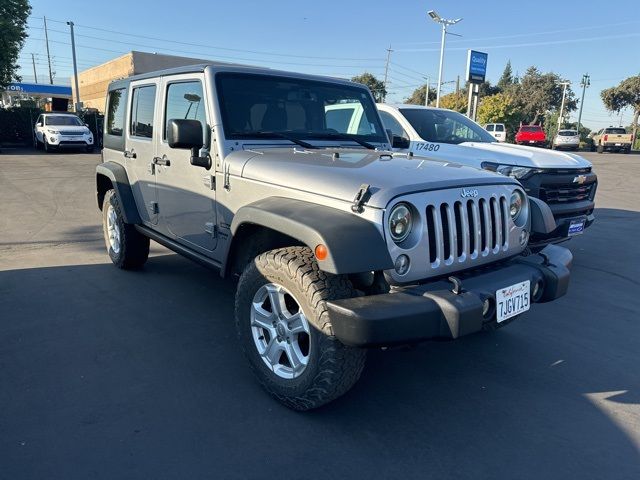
[(476, 66), (42, 89)]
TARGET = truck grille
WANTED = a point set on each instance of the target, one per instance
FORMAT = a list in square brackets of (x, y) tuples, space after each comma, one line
[(565, 193), (466, 229)]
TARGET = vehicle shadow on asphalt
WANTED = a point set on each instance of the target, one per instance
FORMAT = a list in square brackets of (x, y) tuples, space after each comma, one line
[(140, 374)]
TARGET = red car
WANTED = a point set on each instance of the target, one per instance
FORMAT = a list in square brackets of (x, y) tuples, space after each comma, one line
[(531, 135)]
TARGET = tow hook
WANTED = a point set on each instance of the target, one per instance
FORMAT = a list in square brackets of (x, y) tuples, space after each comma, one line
[(457, 285)]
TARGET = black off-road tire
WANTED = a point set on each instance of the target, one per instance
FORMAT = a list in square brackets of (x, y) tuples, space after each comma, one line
[(134, 247), (332, 368)]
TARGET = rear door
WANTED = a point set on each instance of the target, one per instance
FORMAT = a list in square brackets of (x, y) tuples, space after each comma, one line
[(140, 148), (186, 193)]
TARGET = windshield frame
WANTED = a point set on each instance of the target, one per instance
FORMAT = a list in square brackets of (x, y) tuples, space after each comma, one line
[(485, 137), (48, 118), (366, 101)]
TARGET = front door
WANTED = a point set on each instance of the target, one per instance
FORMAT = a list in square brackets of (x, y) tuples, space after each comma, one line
[(140, 147), (186, 193)]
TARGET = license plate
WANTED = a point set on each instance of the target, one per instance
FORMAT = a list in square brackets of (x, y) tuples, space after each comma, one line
[(513, 300), (618, 144), (576, 227), (532, 141)]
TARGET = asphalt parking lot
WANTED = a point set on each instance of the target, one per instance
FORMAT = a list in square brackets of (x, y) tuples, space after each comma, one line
[(112, 374)]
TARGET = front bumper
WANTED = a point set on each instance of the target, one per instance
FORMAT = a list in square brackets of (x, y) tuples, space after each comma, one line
[(422, 312), (533, 143), (64, 141)]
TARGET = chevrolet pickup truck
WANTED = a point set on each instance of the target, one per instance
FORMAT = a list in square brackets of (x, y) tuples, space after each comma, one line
[(532, 135), (612, 139)]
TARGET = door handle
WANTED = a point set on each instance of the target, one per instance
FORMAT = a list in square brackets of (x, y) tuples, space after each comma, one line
[(129, 154), (164, 161)]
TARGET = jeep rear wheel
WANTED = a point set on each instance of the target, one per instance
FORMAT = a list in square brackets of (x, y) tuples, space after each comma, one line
[(128, 248), (284, 329)]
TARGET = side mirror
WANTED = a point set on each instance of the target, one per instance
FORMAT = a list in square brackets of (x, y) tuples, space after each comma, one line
[(187, 134), (400, 142)]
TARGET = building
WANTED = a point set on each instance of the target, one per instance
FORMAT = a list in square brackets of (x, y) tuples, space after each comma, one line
[(42, 95), (93, 82)]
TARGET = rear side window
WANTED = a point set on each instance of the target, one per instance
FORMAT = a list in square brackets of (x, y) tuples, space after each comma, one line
[(489, 128), (185, 100), (499, 128), (339, 119), (142, 108), (115, 112)]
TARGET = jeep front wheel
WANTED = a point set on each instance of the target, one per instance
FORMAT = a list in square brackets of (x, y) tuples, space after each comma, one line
[(128, 248), (284, 329)]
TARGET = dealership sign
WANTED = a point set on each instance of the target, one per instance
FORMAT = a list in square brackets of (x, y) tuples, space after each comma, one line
[(476, 66), (39, 89)]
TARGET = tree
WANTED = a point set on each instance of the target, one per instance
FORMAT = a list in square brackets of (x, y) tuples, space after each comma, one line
[(540, 93), (506, 80), (625, 95), (376, 86), (13, 21), (417, 97), (454, 101), (500, 108)]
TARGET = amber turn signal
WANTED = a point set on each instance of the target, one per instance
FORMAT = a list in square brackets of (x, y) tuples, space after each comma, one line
[(321, 252)]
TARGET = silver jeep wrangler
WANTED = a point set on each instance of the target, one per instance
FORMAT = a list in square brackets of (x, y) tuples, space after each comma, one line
[(338, 243)]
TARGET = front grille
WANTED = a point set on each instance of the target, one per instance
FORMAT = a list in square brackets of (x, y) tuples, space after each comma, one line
[(565, 193), (467, 229), (71, 134)]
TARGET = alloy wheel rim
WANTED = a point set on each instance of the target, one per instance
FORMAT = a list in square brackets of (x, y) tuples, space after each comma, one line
[(280, 331), (113, 231)]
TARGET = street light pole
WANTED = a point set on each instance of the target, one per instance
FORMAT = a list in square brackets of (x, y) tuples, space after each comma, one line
[(586, 81), (564, 93), (445, 23), (426, 94), (75, 67)]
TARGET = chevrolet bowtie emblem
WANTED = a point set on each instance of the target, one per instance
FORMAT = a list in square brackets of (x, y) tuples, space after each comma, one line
[(580, 179)]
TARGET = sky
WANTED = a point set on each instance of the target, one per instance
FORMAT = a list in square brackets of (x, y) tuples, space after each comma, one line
[(348, 37)]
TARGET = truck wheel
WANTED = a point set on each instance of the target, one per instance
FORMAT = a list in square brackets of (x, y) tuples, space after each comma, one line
[(627, 150), (284, 329), (127, 247), (600, 149)]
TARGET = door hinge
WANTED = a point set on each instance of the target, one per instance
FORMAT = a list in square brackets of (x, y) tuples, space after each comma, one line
[(211, 229), (153, 208), (209, 182)]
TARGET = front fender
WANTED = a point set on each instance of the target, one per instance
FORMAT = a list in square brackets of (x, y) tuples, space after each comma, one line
[(117, 174), (355, 245)]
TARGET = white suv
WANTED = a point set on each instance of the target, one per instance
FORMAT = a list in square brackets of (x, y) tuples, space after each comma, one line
[(497, 130), (56, 130)]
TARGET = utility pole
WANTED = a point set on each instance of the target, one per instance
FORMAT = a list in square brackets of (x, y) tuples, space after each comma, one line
[(458, 85), (75, 67), (445, 23), (386, 72), (46, 38), (426, 94), (35, 75), (586, 81), (564, 93)]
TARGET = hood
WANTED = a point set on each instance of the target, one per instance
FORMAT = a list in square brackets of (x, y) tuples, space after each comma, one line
[(319, 172), (69, 128), (523, 156)]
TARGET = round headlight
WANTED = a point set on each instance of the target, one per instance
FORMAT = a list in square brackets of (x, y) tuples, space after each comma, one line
[(515, 204), (400, 222)]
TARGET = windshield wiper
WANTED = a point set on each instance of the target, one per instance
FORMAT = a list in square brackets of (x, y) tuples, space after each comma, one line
[(263, 134), (345, 136)]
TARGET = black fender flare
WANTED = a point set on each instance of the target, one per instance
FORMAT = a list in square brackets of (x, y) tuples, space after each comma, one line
[(354, 244), (120, 181), (542, 220)]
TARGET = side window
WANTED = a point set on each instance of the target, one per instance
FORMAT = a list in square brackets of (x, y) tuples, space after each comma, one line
[(115, 112), (185, 100), (393, 125), (339, 118), (142, 107), (499, 128), (489, 127)]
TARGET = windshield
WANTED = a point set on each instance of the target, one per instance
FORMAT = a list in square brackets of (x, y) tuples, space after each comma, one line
[(445, 126), (62, 120), (618, 131), (568, 133), (272, 107)]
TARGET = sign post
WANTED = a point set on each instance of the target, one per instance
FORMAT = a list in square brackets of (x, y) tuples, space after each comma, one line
[(476, 74)]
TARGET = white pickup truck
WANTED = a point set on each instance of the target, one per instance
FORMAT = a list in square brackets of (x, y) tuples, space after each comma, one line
[(612, 139), (564, 181)]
